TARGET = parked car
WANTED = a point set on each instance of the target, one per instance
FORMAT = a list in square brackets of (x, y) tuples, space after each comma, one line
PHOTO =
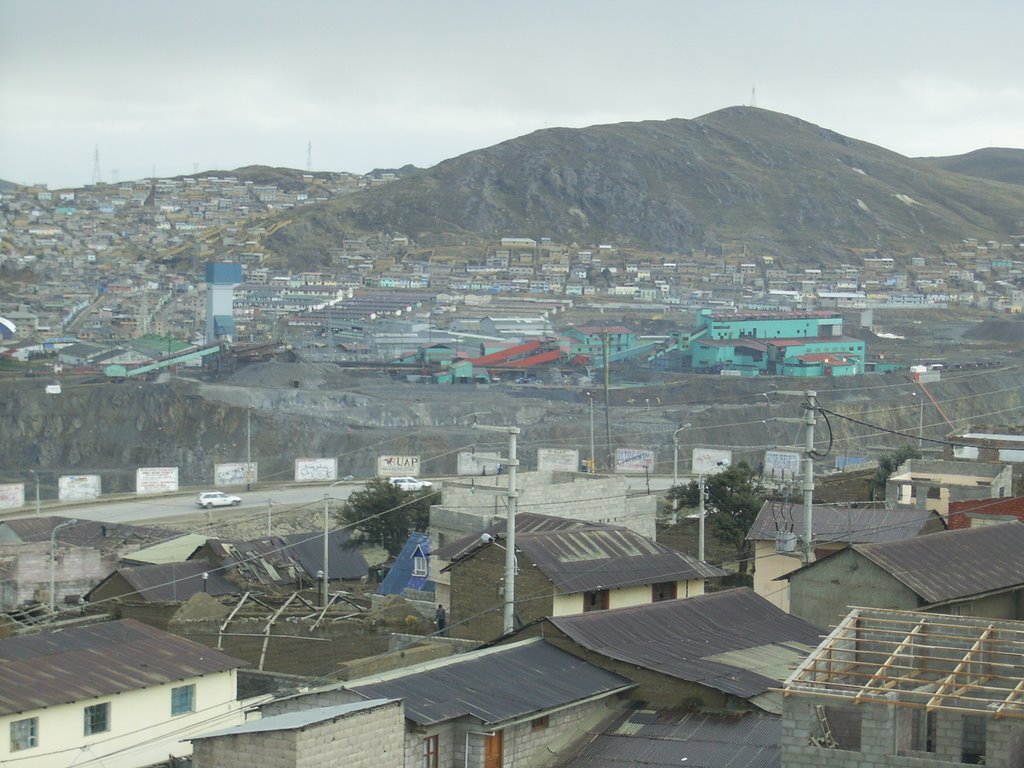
[(410, 483), (209, 499)]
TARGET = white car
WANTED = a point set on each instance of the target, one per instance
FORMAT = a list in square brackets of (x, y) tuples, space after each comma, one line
[(217, 499), (410, 483)]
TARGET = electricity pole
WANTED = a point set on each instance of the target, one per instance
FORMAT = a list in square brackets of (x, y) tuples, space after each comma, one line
[(512, 462), (809, 421)]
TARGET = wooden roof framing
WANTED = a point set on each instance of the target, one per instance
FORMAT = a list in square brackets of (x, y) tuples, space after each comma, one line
[(917, 659)]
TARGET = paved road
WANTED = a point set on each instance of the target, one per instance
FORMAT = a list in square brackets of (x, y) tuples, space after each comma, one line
[(182, 506)]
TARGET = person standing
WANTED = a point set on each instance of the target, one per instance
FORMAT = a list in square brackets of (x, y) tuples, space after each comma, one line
[(441, 620)]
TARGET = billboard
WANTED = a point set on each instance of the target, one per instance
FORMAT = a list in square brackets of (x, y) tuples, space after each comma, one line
[(12, 495), (310, 470), (709, 460), (634, 460), (558, 459), (389, 465), (478, 463), (236, 473), (781, 465), (156, 480), (75, 487)]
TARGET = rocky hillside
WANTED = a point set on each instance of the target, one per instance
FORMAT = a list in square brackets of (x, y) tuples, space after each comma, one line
[(741, 175)]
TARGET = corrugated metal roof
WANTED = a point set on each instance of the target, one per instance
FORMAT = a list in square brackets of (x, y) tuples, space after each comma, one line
[(176, 550), (170, 582), (85, 533), (580, 556), (293, 721), (838, 524), (98, 660), (986, 559), (506, 684), (681, 638), (281, 560), (604, 557), (684, 739), (527, 522)]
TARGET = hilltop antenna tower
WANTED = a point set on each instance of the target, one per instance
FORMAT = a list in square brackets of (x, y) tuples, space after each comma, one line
[(96, 165), (753, 97), (309, 157)]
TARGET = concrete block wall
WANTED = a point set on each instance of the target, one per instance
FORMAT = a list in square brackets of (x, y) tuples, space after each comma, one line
[(601, 498), (449, 745), (371, 739), (882, 742), (275, 751), (527, 743)]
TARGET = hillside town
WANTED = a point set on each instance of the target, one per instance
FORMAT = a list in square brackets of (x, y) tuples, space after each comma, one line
[(555, 613)]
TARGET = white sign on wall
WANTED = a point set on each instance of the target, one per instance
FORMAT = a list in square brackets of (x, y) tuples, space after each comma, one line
[(12, 495), (709, 460), (309, 470), (558, 459), (478, 463), (236, 473), (156, 480), (781, 465), (75, 487), (634, 460), (397, 466)]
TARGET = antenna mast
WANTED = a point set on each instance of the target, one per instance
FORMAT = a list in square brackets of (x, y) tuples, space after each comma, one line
[(753, 97), (96, 165), (309, 157)]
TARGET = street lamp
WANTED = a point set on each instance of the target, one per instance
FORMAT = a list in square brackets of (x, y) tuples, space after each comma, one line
[(675, 453), (53, 562)]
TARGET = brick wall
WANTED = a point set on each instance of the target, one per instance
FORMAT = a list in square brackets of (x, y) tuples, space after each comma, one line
[(477, 603)]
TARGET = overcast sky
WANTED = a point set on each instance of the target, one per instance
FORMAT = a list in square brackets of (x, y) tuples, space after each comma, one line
[(172, 87)]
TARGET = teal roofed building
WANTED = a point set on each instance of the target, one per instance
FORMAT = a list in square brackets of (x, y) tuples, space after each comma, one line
[(802, 344)]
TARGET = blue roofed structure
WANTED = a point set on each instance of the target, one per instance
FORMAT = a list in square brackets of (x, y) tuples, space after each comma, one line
[(410, 569)]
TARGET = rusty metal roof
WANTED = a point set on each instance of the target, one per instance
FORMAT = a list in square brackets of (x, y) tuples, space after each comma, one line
[(688, 639), (496, 685), (84, 533), (986, 559), (662, 739), (83, 663), (833, 523)]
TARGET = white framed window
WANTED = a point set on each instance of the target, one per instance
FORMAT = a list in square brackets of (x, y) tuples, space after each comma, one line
[(183, 699), (24, 734), (419, 566)]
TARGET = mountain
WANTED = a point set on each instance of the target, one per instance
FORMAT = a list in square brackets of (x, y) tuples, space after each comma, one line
[(775, 183), (996, 164)]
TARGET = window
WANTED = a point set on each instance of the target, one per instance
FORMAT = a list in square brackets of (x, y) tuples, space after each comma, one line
[(24, 733), (419, 566), (431, 755), (596, 600), (183, 699), (97, 718), (539, 723), (666, 590)]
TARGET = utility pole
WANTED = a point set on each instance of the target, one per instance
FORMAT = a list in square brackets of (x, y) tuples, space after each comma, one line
[(606, 346), (270, 505), (809, 421), (327, 530), (593, 455), (53, 562), (512, 462), (248, 449)]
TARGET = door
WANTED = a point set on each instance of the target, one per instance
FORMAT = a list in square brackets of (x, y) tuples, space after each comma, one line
[(492, 751)]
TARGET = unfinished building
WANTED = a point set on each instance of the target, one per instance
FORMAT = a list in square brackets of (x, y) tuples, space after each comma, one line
[(903, 688)]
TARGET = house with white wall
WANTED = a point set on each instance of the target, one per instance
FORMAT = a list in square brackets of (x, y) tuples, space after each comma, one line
[(116, 694)]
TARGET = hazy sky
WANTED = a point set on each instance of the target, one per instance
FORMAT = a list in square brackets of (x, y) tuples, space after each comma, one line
[(216, 84)]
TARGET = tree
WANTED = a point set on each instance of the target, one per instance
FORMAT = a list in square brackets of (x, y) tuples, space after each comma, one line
[(732, 500), (890, 462), (384, 514)]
